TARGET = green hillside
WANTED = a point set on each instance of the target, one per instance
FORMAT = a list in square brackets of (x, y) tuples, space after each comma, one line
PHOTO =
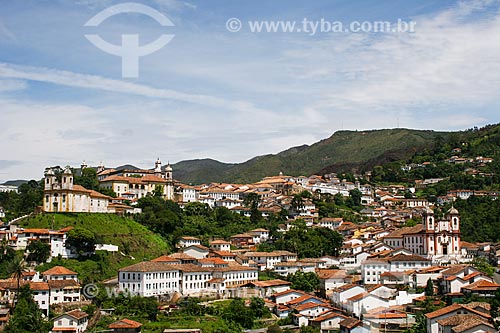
[(343, 151), (135, 242)]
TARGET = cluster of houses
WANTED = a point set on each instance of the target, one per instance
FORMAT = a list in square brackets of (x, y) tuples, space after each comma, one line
[(129, 185), (55, 286), (19, 239)]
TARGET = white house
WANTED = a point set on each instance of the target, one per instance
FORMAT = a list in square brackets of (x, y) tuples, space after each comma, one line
[(286, 296), (267, 260), (149, 278), (331, 279), (74, 321), (341, 294), (360, 303), (327, 322), (292, 267), (196, 251), (220, 245), (433, 318), (188, 241)]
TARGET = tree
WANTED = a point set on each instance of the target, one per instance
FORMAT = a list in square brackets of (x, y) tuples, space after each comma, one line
[(237, 312), (429, 288), (355, 196), (274, 329), (483, 265), (258, 307), (87, 179), (38, 251), (304, 281), (420, 325), (107, 191), (82, 240), (252, 201), (27, 317), (158, 191), (16, 269)]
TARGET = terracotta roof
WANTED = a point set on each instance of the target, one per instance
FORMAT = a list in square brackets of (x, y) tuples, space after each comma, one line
[(182, 256), (349, 322), (189, 238), (39, 285), (359, 296), (482, 285), (219, 241), (78, 314), (149, 266), (35, 231), (198, 246), (288, 292), (404, 257), (462, 322), (214, 261), (398, 233), (57, 284), (270, 283), (59, 270), (124, 323), (471, 275), (304, 298), (166, 258), (452, 308), (224, 254), (332, 273), (347, 287), (310, 305), (328, 315), (454, 270), (475, 305)]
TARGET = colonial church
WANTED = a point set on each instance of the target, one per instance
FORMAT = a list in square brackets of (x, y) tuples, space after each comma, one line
[(61, 195), (436, 239)]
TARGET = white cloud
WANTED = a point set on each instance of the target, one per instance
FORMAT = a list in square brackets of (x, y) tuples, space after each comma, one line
[(12, 85), (450, 61), (72, 79)]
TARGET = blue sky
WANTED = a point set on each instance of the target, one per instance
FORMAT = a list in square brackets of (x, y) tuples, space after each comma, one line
[(233, 95)]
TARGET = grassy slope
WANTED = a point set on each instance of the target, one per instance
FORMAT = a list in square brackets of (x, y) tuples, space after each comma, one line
[(133, 239), (343, 151)]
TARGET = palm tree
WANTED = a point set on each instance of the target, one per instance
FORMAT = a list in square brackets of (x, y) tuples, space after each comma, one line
[(16, 269)]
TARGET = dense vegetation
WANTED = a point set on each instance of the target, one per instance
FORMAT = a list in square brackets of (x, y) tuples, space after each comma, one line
[(229, 316), (472, 143), (480, 219), (29, 197), (307, 242), (26, 316), (135, 242), (343, 151)]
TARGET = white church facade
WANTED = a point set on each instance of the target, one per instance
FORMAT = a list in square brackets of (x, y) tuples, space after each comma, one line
[(61, 195), (435, 239)]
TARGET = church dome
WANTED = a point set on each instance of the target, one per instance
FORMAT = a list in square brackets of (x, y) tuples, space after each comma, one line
[(453, 211)]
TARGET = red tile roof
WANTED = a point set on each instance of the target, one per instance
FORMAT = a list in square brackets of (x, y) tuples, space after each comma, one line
[(125, 323), (59, 270)]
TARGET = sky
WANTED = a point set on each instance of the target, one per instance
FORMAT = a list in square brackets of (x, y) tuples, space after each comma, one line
[(231, 95)]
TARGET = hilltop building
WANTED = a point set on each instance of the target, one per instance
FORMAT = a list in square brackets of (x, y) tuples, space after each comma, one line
[(136, 184), (61, 195)]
